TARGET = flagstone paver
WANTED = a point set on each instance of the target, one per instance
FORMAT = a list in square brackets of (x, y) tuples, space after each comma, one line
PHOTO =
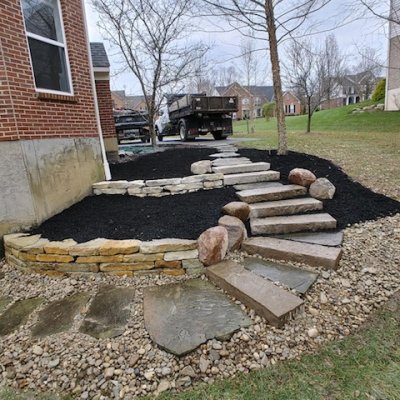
[(59, 315), (4, 302), (256, 185), (180, 317), (17, 314), (292, 277), (108, 312), (323, 238)]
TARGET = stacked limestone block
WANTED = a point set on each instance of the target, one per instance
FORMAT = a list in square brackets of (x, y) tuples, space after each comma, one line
[(113, 257), (160, 187)]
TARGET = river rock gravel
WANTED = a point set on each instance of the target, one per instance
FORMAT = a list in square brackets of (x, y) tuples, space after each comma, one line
[(130, 366)]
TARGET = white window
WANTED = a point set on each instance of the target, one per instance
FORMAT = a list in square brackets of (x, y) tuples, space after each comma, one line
[(46, 38), (245, 101)]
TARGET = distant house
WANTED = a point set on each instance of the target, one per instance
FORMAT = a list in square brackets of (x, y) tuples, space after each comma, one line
[(251, 98), (122, 101), (351, 89), (101, 70), (291, 104), (392, 101)]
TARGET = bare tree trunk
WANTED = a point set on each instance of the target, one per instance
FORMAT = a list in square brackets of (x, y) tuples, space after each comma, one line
[(309, 115), (276, 77)]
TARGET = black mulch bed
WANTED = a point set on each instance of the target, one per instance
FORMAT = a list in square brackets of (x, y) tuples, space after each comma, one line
[(124, 217), (187, 216), (352, 202), (171, 163)]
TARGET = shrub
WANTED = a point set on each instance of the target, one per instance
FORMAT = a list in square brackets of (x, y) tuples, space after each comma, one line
[(379, 92), (268, 110)]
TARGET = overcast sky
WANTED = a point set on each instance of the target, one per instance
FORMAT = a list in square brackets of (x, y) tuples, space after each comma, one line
[(226, 46)]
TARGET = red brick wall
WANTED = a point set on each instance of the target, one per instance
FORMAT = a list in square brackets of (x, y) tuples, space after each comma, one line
[(54, 116), (289, 99), (104, 101)]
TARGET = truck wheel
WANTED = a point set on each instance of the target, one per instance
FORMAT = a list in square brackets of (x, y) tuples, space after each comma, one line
[(182, 131), (218, 136)]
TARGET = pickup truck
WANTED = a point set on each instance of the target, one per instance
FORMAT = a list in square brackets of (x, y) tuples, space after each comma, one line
[(132, 125), (192, 115)]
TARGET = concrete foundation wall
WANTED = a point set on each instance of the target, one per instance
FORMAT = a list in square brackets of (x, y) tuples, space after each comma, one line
[(40, 178)]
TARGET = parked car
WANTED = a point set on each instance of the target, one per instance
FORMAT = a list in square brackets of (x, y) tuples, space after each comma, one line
[(131, 125)]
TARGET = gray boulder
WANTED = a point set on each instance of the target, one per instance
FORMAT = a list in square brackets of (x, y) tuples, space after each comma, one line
[(322, 189)]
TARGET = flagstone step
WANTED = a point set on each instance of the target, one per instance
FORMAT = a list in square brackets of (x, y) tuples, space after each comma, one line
[(266, 299), (224, 155), (292, 223), (241, 168), (108, 313), (219, 162), (251, 177), (284, 207), (257, 185), (293, 277), (279, 249), (324, 238), (272, 193)]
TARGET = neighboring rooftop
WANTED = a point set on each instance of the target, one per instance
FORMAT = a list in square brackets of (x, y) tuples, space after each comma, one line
[(258, 91), (99, 55)]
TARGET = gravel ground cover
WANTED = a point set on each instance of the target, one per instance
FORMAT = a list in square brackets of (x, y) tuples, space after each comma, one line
[(170, 163), (131, 365)]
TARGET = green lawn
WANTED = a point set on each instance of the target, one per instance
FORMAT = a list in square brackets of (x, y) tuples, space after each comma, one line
[(364, 366), (366, 146)]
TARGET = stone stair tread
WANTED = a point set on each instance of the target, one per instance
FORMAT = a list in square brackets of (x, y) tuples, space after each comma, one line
[(292, 223), (284, 207), (271, 193), (240, 168), (257, 185), (289, 250), (332, 239), (293, 277), (224, 155), (268, 300), (250, 177), (219, 162)]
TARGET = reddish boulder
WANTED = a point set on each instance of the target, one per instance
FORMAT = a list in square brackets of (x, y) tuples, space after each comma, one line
[(236, 231), (213, 245), (302, 177), (237, 209)]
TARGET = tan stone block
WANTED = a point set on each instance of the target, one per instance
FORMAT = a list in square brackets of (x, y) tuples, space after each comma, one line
[(139, 257), (112, 247), (128, 274), (59, 247), (181, 255), (75, 267), (99, 259), (164, 245), (14, 261), (168, 264), (173, 272), (90, 248), (54, 258), (12, 251), (52, 273), (213, 184), (111, 267), (36, 248), (20, 240), (26, 256)]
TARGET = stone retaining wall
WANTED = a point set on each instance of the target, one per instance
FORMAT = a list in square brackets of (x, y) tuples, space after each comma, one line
[(161, 187), (114, 257)]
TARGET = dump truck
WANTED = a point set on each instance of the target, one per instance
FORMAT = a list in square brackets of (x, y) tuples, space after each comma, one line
[(192, 115)]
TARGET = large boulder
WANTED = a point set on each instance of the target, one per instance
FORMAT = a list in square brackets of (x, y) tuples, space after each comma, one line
[(322, 189), (237, 209), (302, 177), (213, 245), (236, 231), (201, 167)]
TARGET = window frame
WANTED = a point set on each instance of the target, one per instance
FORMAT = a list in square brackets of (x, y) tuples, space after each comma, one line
[(63, 45)]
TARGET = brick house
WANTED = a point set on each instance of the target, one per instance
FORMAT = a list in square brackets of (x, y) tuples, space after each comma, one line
[(122, 101), (251, 98), (51, 148), (101, 71), (392, 100), (291, 104)]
